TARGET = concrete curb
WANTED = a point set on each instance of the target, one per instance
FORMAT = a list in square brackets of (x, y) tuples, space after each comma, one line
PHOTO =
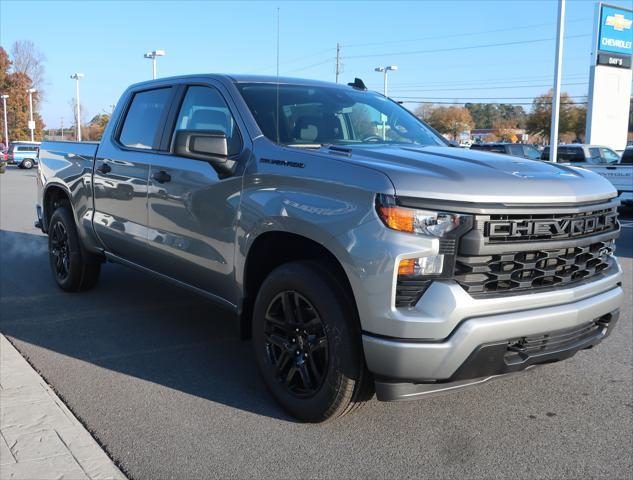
[(39, 437)]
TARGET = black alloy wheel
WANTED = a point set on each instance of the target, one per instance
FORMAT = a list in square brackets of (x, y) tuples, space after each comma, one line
[(60, 251), (296, 344)]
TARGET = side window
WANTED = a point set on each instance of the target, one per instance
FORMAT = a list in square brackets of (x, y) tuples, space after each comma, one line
[(498, 149), (594, 154), (143, 119), (204, 109), (609, 156), (516, 150)]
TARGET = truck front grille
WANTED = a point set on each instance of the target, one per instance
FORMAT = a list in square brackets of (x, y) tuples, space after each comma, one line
[(534, 269)]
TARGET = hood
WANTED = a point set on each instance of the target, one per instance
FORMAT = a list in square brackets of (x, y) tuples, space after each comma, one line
[(446, 173)]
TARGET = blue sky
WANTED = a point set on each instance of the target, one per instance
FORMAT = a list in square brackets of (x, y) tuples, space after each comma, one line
[(106, 40)]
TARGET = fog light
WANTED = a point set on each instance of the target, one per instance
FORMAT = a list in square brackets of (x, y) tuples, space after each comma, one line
[(431, 265)]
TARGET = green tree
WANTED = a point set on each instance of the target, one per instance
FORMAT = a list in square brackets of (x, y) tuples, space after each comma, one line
[(539, 119)]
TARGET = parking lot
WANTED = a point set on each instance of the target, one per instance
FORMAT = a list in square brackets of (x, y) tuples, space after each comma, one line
[(162, 381)]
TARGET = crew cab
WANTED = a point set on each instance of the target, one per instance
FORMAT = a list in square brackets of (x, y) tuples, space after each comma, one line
[(358, 250)]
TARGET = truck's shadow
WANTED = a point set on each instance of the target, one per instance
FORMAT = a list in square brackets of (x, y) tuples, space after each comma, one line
[(132, 324)]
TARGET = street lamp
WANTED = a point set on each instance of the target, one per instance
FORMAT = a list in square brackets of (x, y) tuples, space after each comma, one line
[(77, 77), (152, 56), (31, 91), (6, 128), (384, 70)]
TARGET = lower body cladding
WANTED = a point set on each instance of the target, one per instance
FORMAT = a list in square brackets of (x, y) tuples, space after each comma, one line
[(487, 346)]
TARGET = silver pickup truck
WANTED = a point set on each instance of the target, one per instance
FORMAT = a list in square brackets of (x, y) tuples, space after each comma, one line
[(354, 245)]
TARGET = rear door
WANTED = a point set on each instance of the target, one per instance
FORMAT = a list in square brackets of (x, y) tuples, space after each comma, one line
[(122, 171), (192, 208)]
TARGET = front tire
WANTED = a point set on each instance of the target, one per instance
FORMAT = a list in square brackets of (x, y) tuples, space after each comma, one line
[(71, 269), (307, 343)]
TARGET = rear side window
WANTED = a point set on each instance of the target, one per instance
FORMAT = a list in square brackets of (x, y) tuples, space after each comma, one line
[(143, 120), (26, 149), (595, 155), (479, 146)]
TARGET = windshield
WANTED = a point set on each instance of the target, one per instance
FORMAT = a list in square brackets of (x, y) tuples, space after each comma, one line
[(318, 115)]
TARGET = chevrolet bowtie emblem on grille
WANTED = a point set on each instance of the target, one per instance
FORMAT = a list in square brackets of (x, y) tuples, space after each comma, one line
[(618, 22), (552, 228)]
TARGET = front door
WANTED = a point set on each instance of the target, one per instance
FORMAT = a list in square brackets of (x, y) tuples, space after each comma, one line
[(121, 174), (192, 209)]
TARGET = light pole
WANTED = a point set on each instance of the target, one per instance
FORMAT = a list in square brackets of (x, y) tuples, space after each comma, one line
[(152, 55), (77, 77), (560, 32), (6, 127), (31, 91), (384, 70)]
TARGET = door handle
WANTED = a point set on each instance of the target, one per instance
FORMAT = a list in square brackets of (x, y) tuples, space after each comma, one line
[(611, 168), (104, 168), (162, 176)]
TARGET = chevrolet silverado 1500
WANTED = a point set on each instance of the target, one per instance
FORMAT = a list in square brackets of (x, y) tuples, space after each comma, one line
[(355, 246)]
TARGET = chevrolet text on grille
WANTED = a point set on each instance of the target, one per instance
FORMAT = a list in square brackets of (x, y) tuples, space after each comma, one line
[(558, 228)]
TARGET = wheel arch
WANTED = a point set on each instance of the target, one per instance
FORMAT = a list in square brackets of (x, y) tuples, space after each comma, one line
[(54, 195), (274, 248)]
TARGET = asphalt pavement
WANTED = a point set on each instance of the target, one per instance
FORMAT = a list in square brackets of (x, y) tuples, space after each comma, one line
[(162, 381)]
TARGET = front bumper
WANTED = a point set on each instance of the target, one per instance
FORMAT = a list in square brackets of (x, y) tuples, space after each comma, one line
[(395, 361)]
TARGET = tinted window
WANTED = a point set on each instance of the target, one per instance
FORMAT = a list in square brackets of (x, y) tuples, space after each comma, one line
[(545, 154), (143, 119), (26, 149), (516, 150), (204, 109), (594, 154), (571, 154), (627, 156), (479, 146)]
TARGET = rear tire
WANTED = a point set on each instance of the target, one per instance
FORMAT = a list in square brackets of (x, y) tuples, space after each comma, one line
[(27, 164), (307, 343), (72, 270)]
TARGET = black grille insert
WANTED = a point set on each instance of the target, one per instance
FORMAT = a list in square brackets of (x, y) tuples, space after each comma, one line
[(515, 271)]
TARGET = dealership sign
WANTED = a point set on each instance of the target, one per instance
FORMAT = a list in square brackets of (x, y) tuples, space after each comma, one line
[(616, 34)]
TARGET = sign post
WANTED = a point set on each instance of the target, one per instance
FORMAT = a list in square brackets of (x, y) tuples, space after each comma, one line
[(610, 77)]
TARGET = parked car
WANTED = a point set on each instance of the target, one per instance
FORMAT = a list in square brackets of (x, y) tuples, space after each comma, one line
[(583, 153), (23, 154), (627, 156), (601, 160), (514, 149), (357, 254)]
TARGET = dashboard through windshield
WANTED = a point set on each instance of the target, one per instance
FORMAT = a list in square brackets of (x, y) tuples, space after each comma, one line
[(310, 115)]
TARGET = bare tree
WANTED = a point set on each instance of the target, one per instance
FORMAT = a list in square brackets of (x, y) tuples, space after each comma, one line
[(29, 60), (72, 103)]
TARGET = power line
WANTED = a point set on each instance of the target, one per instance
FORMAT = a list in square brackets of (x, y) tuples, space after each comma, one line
[(478, 81), (481, 32), (468, 47), (483, 98), (496, 87), (482, 103)]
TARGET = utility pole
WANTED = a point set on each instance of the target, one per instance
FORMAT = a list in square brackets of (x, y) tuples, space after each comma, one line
[(6, 126), (338, 60), (553, 137)]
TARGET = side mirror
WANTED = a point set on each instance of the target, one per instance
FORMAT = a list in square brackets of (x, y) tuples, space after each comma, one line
[(205, 145)]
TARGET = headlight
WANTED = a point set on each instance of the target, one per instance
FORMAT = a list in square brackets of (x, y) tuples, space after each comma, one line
[(413, 220)]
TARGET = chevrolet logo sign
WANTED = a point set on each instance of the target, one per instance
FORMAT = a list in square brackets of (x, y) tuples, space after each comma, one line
[(618, 22), (563, 228)]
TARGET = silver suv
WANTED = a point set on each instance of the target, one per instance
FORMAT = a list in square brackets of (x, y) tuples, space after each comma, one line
[(23, 154)]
